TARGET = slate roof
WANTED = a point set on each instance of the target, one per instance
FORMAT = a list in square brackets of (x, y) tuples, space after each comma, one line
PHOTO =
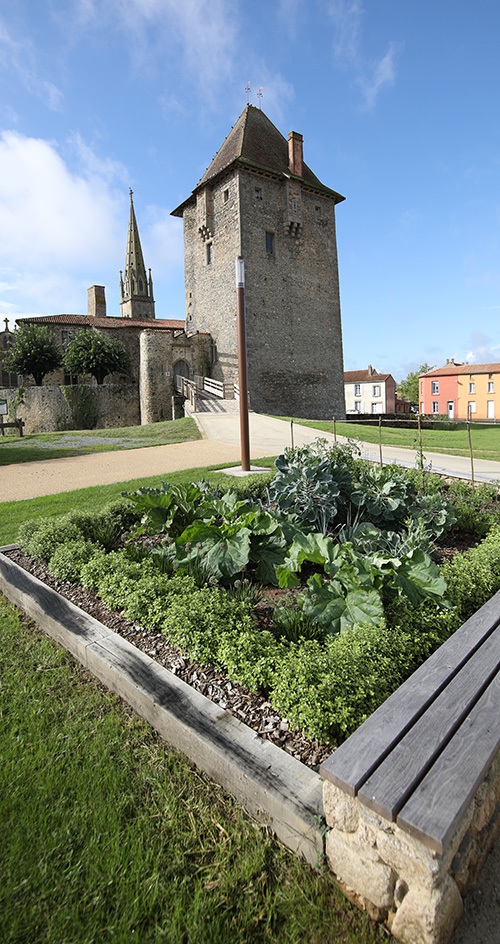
[(87, 321), (256, 143), (364, 376), (452, 370)]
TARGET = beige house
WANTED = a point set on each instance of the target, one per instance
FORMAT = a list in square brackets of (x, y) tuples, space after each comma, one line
[(367, 391)]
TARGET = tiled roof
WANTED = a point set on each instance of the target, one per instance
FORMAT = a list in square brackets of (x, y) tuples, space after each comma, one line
[(452, 370), (364, 376), (254, 141), (87, 321)]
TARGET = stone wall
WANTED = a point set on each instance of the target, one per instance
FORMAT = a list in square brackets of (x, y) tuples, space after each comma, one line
[(294, 336), (398, 879), (50, 408)]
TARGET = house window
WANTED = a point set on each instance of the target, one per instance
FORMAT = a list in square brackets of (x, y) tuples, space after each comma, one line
[(210, 253), (357, 390), (434, 386), (357, 405), (471, 407), (270, 243), (472, 388), (226, 196), (435, 406), (491, 386), (258, 193), (376, 390)]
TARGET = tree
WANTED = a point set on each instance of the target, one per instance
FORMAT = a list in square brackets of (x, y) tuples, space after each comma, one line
[(408, 388), (91, 352), (34, 350)]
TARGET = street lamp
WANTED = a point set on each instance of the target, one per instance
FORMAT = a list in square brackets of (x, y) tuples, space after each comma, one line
[(242, 363)]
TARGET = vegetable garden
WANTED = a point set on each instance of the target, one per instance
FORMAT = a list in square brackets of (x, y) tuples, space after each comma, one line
[(338, 554)]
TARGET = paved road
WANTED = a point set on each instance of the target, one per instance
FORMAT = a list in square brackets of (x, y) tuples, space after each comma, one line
[(221, 443)]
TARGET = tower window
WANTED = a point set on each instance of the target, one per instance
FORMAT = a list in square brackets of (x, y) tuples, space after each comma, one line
[(258, 193), (226, 196), (317, 212), (210, 253), (270, 243)]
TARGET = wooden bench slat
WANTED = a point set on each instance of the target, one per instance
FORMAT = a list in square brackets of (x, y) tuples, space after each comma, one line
[(390, 785), (435, 808), (355, 760)]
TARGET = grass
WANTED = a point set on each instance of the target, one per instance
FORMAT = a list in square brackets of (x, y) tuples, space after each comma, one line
[(14, 513), (108, 835), (60, 445), (485, 439)]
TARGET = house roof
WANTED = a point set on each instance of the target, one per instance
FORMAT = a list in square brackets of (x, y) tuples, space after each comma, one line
[(453, 370), (88, 321), (256, 143), (364, 376)]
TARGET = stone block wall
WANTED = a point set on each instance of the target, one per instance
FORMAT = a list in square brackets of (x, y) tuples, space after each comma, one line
[(399, 880), (50, 408), (293, 326)]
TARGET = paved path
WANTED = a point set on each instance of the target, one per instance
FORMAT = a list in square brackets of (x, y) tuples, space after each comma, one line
[(221, 443)]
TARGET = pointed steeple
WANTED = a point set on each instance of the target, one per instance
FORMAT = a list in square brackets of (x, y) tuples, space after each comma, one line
[(136, 288)]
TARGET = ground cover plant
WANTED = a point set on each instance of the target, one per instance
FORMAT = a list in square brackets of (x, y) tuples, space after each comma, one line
[(108, 835), (334, 554), (453, 441), (60, 445)]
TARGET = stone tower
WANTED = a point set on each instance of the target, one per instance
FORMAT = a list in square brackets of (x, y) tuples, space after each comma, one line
[(136, 289), (258, 199)]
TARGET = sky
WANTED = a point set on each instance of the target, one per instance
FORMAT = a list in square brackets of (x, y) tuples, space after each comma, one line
[(398, 104)]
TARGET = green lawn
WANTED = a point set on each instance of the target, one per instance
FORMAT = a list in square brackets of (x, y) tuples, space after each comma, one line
[(485, 439), (108, 835), (80, 442), (15, 513)]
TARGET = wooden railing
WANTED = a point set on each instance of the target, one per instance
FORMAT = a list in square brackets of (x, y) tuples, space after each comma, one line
[(191, 388)]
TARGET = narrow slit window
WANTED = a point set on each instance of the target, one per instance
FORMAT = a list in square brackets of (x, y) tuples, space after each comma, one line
[(270, 244)]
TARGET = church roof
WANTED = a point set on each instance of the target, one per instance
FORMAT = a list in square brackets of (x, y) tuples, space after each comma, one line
[(256, 143), (87, 321)]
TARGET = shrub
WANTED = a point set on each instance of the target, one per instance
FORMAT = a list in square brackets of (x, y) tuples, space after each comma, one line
[(474, 577), (42, 537), (68, 559), (198, 621)]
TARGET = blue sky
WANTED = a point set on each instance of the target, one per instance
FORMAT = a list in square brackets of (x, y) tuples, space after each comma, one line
[(398, 103)]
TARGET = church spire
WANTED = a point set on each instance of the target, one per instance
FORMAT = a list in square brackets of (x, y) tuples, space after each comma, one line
[(136, 288)]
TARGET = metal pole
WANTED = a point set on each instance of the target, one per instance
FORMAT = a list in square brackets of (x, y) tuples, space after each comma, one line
[(242, 364)]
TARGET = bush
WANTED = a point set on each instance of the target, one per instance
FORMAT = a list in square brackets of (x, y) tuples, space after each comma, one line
[(474, 577), (68, 559), (41, 537)]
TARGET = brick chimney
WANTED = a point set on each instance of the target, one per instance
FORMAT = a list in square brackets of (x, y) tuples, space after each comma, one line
[(96, 305), (295, 153)]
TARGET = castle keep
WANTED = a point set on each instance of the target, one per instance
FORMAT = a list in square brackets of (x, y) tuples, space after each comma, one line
[(258, 199)]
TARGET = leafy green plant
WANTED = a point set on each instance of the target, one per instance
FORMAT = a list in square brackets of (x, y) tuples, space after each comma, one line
[(68, 559), (91, 352), (292, 623), (311, 487)]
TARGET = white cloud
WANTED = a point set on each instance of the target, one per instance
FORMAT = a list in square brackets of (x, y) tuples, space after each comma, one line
[(483, 350), (18, 57), (59, 228), (371, 77)]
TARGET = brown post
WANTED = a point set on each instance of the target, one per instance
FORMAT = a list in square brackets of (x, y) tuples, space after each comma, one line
[(242, 364), (380, 439)]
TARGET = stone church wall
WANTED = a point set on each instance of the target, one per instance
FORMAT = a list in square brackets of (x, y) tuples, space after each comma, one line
[(51, 408)]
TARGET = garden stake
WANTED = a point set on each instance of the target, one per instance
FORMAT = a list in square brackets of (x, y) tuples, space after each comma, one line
[(470, 448), (380, 439), (334, 429), (291, 432)]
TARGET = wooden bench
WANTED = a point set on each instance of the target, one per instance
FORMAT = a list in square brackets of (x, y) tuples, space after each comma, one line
[(418, 762)]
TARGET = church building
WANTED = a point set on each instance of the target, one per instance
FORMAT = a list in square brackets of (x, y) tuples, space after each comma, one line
[(258, 199)]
